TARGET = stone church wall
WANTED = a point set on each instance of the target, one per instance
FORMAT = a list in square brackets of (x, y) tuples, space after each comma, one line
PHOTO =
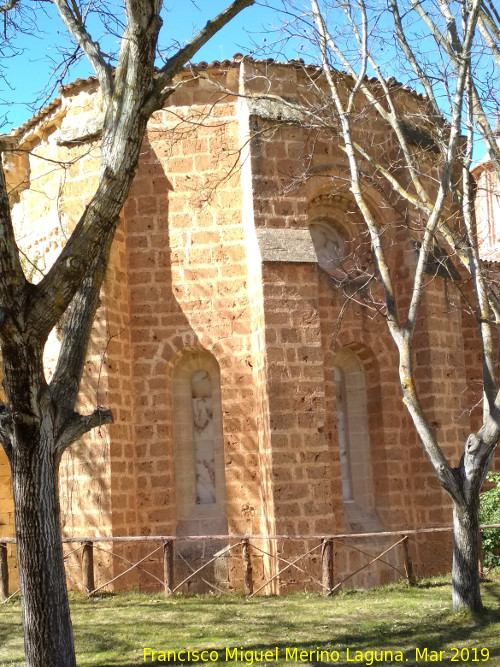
[(233, 367)]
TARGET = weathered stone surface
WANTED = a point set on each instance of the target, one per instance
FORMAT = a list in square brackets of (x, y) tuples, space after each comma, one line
[(292, 362), (81, 128), (271, 109), (286, 245)]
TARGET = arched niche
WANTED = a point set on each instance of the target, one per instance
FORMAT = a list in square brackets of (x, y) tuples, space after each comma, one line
[(329, 244), (198, 445), (353, 430), (339, 233)]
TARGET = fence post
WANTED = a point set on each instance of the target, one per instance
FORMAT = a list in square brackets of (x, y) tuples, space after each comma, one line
[(247, 565), (407, 561), (168, 566), (88, 567), (4, 572), (327, 565)]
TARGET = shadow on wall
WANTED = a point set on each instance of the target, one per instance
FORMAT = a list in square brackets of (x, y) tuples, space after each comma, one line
[(138, 476)]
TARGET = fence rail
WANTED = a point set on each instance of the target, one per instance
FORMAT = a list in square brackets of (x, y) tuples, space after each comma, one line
[(248, 543)]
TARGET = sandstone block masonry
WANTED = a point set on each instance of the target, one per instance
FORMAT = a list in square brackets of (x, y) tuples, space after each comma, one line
[(251, 394)]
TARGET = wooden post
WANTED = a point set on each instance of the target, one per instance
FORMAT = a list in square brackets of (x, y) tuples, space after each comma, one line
[(168, 566), (4, 572), (247, 565), (407, 562), (327, 565), (88, 567)]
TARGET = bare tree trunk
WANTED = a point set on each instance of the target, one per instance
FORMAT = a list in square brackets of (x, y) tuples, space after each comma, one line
[(38, 422), (466, 547), (48, 634)]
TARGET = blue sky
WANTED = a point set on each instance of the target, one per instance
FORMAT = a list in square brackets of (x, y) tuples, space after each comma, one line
[(255, 27), (29, 71)]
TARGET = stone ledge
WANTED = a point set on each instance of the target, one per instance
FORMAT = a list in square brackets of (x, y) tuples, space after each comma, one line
[(286, 245), (274, 110), (81, 128)]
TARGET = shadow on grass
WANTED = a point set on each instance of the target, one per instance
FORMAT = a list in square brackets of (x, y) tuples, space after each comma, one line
[(10, 624), (433, 584), (195, 602), (373, 657), (493, 589), (438, 631)]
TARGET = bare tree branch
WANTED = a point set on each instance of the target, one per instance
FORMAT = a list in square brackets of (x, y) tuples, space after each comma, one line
[(174, 64), (133, 100), (12, 280), (435, 183), (479, 115), (78, 321), (74, 22), (38, 422), (486, 23), (446, 169), (77, 425), (7, 6)]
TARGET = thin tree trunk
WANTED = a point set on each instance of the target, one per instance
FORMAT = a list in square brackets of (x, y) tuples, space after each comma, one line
[(466, 593), (48, 634)]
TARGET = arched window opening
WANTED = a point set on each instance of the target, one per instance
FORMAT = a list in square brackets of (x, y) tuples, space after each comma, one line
[(353, 430), (329, 245)]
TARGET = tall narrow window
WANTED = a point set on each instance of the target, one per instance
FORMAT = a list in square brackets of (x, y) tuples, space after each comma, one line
[(343, 436), (353, 430), (203, 437)]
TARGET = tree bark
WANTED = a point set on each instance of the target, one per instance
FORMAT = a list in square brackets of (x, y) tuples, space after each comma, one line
[(38, 422), (466, 592), (48, 634)]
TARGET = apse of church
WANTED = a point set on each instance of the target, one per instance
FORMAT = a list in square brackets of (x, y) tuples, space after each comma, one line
[(251, 395)]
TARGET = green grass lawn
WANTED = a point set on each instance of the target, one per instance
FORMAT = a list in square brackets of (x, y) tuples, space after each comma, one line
[(115, 629)]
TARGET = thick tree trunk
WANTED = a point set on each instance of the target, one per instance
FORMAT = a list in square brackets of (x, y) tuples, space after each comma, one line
[(48, 634), (466, 593)]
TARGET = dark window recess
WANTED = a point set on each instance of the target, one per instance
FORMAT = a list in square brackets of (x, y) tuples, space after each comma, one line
[(439, 263), (419, 137)]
